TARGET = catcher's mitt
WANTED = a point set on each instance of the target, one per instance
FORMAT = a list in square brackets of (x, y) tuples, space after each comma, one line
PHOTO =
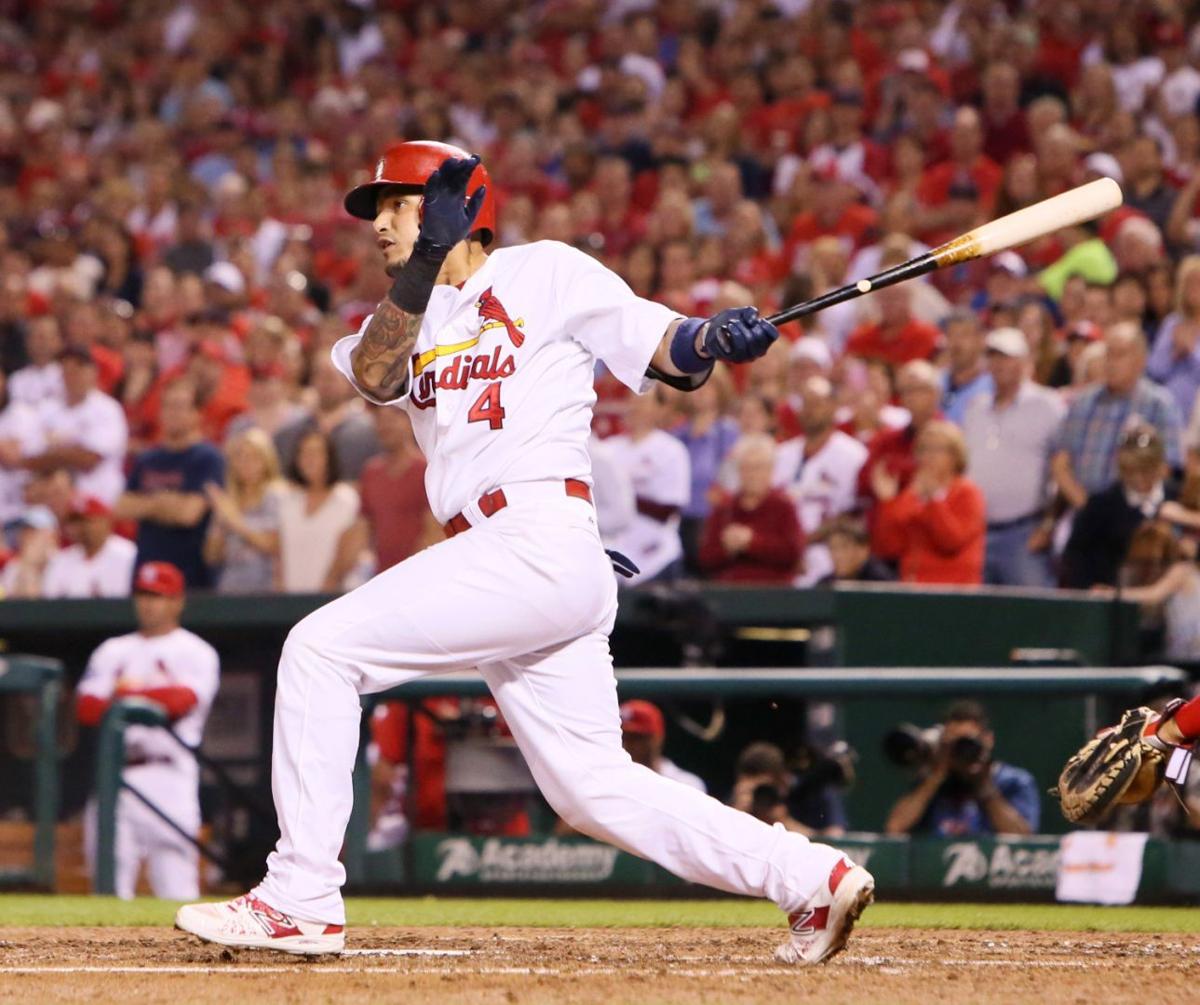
[(1118, 766)]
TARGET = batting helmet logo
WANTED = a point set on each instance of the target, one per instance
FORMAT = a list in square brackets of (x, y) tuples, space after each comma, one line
[(410, 164)]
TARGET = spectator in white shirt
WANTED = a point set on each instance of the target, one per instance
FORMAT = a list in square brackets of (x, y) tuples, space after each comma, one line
[(314, 512), (87, 433), (99, 563), (20, 436), (1010, 433), (40, 383), (819, 471), (660, 469)]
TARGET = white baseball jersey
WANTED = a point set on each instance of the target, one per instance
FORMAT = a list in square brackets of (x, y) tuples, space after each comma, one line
[(20, 423), (108, 573), (500, 395), (660, 468), (821, 486), (168, 776), (97, 424), (37, 386), (176, 659), (500, 387)]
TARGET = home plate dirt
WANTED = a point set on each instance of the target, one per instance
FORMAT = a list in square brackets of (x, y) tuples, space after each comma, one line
[(527, 965)]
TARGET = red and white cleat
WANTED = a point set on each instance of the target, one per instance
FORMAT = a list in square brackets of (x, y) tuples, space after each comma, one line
[(248, 923), (821, 929)]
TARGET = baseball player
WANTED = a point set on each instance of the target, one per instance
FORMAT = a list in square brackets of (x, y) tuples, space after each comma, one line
[(492, 355), (167, 664)]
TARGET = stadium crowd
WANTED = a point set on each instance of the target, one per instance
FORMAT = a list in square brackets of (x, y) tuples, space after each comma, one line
[(175, 263)]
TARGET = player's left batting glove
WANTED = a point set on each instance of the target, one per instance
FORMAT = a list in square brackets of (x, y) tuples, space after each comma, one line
[(446, 213), (736, 335), (447, 216)]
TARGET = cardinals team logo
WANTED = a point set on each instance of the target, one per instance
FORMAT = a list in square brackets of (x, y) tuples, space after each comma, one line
[(495, 316)]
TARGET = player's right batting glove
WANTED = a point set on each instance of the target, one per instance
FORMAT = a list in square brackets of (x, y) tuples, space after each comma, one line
[(738, 335), (447, 215)]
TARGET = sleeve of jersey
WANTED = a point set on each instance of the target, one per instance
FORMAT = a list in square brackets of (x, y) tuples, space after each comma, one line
[(99, 678), (341, 351), (608, 319)]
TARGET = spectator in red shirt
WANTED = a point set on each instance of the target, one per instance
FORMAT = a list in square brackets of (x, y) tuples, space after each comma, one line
[(935, 529), (945, 211), (394, 519), (1006, 132), (836, 212), (897, 337), (891, 449), (393, 492), (754, 536)]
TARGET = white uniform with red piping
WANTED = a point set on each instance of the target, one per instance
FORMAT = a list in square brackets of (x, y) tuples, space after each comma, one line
[(500, 398), (155, 764)]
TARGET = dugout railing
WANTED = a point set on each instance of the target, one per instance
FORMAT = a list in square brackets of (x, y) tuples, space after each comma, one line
[(40, 680), (979, 868), (110, 783)]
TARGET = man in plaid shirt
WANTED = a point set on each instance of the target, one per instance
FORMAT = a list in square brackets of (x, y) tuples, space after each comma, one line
[(1085, 457)]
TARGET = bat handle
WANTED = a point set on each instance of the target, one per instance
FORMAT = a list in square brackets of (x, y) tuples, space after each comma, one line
[(919, 266)]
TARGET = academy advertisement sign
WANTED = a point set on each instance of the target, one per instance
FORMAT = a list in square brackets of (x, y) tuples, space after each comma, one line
[(996, 865), (509, 860)]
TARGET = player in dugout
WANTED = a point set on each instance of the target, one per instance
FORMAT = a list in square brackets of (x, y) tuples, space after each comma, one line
[(164, 663)]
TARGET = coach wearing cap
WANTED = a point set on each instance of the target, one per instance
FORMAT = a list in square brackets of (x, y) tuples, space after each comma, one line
[(98, 563), (1010, 433), (642, 735), (170, 666)]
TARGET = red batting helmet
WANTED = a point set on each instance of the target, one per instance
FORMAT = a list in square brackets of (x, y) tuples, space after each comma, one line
[(411, 164)]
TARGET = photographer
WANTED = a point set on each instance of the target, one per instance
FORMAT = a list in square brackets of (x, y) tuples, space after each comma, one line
[(964, 792), (808, 802)]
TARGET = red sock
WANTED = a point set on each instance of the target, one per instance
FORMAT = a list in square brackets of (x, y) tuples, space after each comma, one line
[(1188, 719)]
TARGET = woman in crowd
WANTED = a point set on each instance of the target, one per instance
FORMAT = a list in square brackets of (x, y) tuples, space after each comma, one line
[(935, 528), (753, 536), (1050, 366), (243, 538), (315, 511)]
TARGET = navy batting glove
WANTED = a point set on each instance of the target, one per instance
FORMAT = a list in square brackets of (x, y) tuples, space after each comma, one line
[(447, 215), (622, 564), (738, 335)]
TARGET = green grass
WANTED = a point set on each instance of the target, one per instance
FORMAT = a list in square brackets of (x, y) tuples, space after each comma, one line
[(23, 910)]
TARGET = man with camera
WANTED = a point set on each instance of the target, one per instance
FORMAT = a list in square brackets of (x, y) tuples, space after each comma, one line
[(807, 800), (963, 791)]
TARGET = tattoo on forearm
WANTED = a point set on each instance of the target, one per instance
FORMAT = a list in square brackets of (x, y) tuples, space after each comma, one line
[(380, 360)]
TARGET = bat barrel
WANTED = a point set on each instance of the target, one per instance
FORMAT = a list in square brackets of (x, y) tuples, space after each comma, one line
[(919, 266)]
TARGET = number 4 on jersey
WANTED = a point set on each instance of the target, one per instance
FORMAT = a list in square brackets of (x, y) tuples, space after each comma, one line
[(488, 408)]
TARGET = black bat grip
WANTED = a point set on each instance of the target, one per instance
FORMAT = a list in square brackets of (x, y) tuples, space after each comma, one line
[(920, 266)]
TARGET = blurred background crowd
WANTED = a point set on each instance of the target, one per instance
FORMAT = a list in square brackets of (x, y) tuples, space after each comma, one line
[(175, 263)]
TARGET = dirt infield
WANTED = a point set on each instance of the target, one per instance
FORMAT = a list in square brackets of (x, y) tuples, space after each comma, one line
[(533, 966)]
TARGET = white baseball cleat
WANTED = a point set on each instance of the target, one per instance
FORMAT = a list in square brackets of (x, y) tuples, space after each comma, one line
[(248, 923), (822, 927)]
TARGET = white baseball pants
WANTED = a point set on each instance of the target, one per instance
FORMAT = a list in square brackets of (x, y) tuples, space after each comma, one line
[(527, 596), (172, 862)]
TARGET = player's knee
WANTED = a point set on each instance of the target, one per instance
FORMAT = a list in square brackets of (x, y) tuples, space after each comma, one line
[(304, 638), (578, 799)]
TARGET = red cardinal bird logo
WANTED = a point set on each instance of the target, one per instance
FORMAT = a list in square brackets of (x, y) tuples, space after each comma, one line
[(495, 316)]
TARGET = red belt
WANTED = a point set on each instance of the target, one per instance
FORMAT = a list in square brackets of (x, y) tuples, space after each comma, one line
[(493, 502)]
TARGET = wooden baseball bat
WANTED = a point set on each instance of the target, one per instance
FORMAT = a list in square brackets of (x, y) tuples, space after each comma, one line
[(1066, 210)]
